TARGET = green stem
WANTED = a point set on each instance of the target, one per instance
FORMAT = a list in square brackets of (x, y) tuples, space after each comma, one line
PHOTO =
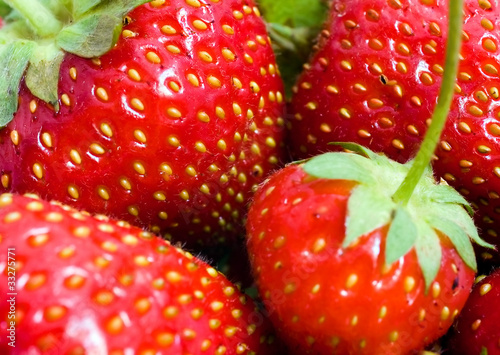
[(440, 114), (41, 19)]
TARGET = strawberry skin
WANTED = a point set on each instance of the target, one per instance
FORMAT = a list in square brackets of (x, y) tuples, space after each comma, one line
[(170, 130), (476, 329), (375, 79), (99, 286), (324, 298)]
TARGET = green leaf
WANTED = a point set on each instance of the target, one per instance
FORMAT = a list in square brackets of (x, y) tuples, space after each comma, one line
[(461, 217), (447, 194), (14, 59), (357, 148), (294, 13), (81, 7), (42, 76), (428, 248), (98, 30), (401, 236), (4, 9), (366, 211), (340, 166), (90, 37), (458, 237)]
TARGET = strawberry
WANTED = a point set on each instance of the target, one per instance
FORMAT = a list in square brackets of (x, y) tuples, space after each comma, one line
[(82, 284), (169, 129), (354, 253), (374, 80), (476, 329), (329, 290)]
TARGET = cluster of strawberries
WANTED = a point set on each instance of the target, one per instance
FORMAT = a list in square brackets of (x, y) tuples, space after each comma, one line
[(137, 134)]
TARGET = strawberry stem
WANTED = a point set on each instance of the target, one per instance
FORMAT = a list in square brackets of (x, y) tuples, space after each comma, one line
[(440, 114), (41, 19)]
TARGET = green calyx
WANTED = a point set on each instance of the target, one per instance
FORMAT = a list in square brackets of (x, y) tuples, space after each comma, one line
[(36, 35), (432, 207), (406, 197)]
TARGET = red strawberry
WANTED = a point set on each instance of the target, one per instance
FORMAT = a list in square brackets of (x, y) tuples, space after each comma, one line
[(78, 284), (375, 78), (476, 330), (343, 270), (171, 129)]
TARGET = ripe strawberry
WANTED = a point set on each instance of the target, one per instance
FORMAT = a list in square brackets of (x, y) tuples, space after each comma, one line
[(375, 78), (170, 129), (476, 330), (80, 284), (344, 269)]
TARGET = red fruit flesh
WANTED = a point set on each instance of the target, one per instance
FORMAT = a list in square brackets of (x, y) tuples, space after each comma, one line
[(170, 130), (477, 328), (375, 80), (326, 299), (98, 286)]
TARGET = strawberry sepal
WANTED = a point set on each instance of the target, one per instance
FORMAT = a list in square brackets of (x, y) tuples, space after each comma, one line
[(432, 208), (86, 28)]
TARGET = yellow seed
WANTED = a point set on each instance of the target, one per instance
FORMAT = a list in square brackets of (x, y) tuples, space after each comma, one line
[(464, 76), (127, 34), (193, 80), (159, 196), (54, 313), (221, 144), (174, 86), (401, 67), (484, 289), (484, 4), (173, 49), (153, 57), (33, 106), (134, 75), (65, 100), (47, 139), (114, 325), (106, 129), (73, 73), (214, 82), (426, 79), (168, 30), (475, 325), (74, 281), (383, 312), (200, 25), (487, 24), (352, 279), (102, 94), (174, 112), (409, 284), (103, 193), (396, 143), (489, 45), (193, 3), (173, 141), (73, 192), (184, 195), (490, 69), (38, 170), (139, 168), (137, 104), (14, 137), (237, 109), (345, 113), (445, 313), (205, 56)]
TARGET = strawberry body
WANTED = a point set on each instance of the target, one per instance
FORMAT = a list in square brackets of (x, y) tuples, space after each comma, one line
[(169, 130), (95, 285), (375, 79), (327, 298), (476, 329)]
